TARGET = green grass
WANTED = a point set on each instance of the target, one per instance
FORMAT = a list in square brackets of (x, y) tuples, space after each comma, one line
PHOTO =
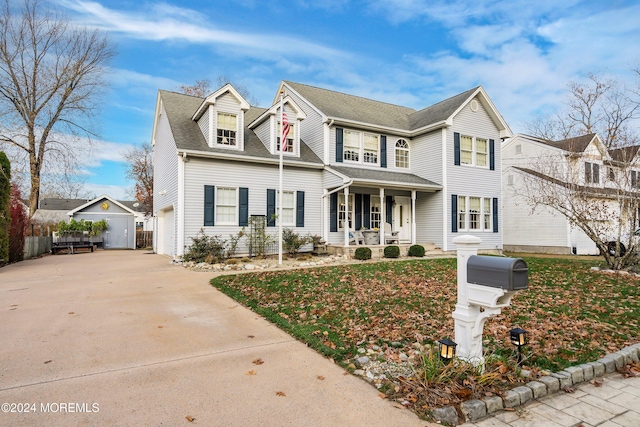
[(573, 315)]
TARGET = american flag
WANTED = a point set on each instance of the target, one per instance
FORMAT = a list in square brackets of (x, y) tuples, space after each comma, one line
[(285, 131)]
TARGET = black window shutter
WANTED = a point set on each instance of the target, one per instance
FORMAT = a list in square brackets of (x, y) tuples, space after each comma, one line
[(456, 148), (492, 155), (383, 151), (333, 212), (366, 199), (339, 145), (454, 213), (271, 207), (243, 211), (389, 209), (358, 202), (209, 198), (300, 209), (596, 173), (495, 214), (587, 172)]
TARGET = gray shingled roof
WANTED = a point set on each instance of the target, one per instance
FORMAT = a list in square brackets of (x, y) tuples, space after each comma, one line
[(625, 154), (573, 145), (354, 108), (52, 204), (377, 175), (180, 109)]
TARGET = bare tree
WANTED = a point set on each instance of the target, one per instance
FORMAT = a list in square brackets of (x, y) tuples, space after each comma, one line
[(140, 169), (51, 73), (602, 106), (202, 88), (607, 212)]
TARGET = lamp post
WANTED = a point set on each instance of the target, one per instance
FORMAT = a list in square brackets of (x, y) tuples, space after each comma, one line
[(518, 338), (446, 349)]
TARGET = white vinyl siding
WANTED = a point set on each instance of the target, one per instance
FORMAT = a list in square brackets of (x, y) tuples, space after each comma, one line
[(311, 128), (473, 181), (257, 178)]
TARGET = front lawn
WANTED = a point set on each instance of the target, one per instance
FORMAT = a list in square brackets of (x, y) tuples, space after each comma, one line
[(573, 315)]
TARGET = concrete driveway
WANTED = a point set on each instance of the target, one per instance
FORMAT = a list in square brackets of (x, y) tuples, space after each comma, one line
[(126, 338)]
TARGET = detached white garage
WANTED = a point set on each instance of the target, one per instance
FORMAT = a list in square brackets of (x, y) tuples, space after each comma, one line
[(121, 230)]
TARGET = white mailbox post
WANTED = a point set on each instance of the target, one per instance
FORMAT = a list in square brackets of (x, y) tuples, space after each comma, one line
[(477, 302)]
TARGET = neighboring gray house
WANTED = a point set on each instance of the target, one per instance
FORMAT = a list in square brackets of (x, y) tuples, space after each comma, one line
[(120, 216), (353, 164)]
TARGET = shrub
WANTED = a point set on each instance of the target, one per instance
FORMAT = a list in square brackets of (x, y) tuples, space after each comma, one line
[(416, 250), (19, 223), (392, 252), (362, 253), (5, 209), (292, 241), (205, 249)]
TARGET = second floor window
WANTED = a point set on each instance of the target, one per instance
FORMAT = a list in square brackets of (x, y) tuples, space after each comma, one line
[(291, 136), (473, 151), (227, 128), (591, 173), (361, 147), (402, 154)]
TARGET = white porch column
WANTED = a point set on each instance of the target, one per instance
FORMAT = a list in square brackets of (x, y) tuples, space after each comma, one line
[(413, 217), (345, 225), (324, 231), (383, 216)]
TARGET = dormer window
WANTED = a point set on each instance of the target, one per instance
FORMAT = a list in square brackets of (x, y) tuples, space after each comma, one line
[(291, 137), (227, 129)]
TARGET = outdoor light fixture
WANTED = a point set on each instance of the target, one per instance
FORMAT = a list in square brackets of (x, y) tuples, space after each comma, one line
[(518, 338), (447, 349)]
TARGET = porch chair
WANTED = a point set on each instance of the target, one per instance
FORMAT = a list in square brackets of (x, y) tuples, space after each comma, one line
[(390, 236), (356, 238)]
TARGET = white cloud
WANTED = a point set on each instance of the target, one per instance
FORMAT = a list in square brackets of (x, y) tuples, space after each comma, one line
[(170, 23)]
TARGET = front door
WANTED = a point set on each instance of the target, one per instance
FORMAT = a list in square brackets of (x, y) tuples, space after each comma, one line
[(402, 218)]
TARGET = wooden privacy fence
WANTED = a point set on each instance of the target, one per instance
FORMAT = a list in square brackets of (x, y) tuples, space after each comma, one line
[(144, 239), (35, 246)]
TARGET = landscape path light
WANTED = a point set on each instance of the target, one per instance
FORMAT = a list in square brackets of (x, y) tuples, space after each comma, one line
[(518, 338), (447, 349)]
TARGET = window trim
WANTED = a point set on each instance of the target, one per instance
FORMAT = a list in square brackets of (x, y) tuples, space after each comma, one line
[(217, 206), (352, 211), (474, 152), (482, 214), (292, 141), (361, 151), (237, 135), (293, 209), (405, 150)]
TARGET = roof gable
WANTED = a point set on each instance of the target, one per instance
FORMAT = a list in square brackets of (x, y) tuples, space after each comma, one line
[(98, 200), (211, 100)]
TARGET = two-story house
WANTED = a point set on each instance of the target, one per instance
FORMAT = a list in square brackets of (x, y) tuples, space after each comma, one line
[(351, 164), (597, 183)]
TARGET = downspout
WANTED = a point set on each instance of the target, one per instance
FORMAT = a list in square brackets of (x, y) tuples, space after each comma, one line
[(180, 214)]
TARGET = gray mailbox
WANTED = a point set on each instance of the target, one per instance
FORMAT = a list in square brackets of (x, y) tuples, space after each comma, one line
[(510, 274)]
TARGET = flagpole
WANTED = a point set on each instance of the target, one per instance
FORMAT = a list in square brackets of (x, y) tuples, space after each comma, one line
[(280, 186)]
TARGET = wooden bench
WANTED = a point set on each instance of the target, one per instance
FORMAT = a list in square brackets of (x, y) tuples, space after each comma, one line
[(71, 241)]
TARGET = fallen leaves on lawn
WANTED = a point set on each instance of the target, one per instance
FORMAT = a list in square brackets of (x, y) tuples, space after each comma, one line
[(252, 372), (280, 393), (630, 370), (258, 361), (190, 418), (320, 377)]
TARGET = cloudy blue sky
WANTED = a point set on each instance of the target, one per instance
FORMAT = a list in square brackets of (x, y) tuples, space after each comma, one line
[(408, 52)]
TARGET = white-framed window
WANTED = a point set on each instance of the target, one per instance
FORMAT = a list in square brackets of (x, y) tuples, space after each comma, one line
[(402, 154), (288, 207), (475, 213), (371, 147), (227, 128), (342, 213), (486, 213), (591, 173), (474, 151), (376, 212), (226, 206), (291, 137), (361, 147), (351, 146)]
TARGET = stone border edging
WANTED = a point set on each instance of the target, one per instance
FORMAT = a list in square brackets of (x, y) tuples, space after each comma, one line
[(475, 409)]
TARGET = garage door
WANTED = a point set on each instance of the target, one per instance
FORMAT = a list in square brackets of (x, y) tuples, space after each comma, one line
[(168, 232)]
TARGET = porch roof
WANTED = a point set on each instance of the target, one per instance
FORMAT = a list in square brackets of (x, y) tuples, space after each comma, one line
[(384, 178)]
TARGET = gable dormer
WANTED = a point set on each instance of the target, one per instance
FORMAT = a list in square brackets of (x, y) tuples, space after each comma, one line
[(268, 127), (220, 118)]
